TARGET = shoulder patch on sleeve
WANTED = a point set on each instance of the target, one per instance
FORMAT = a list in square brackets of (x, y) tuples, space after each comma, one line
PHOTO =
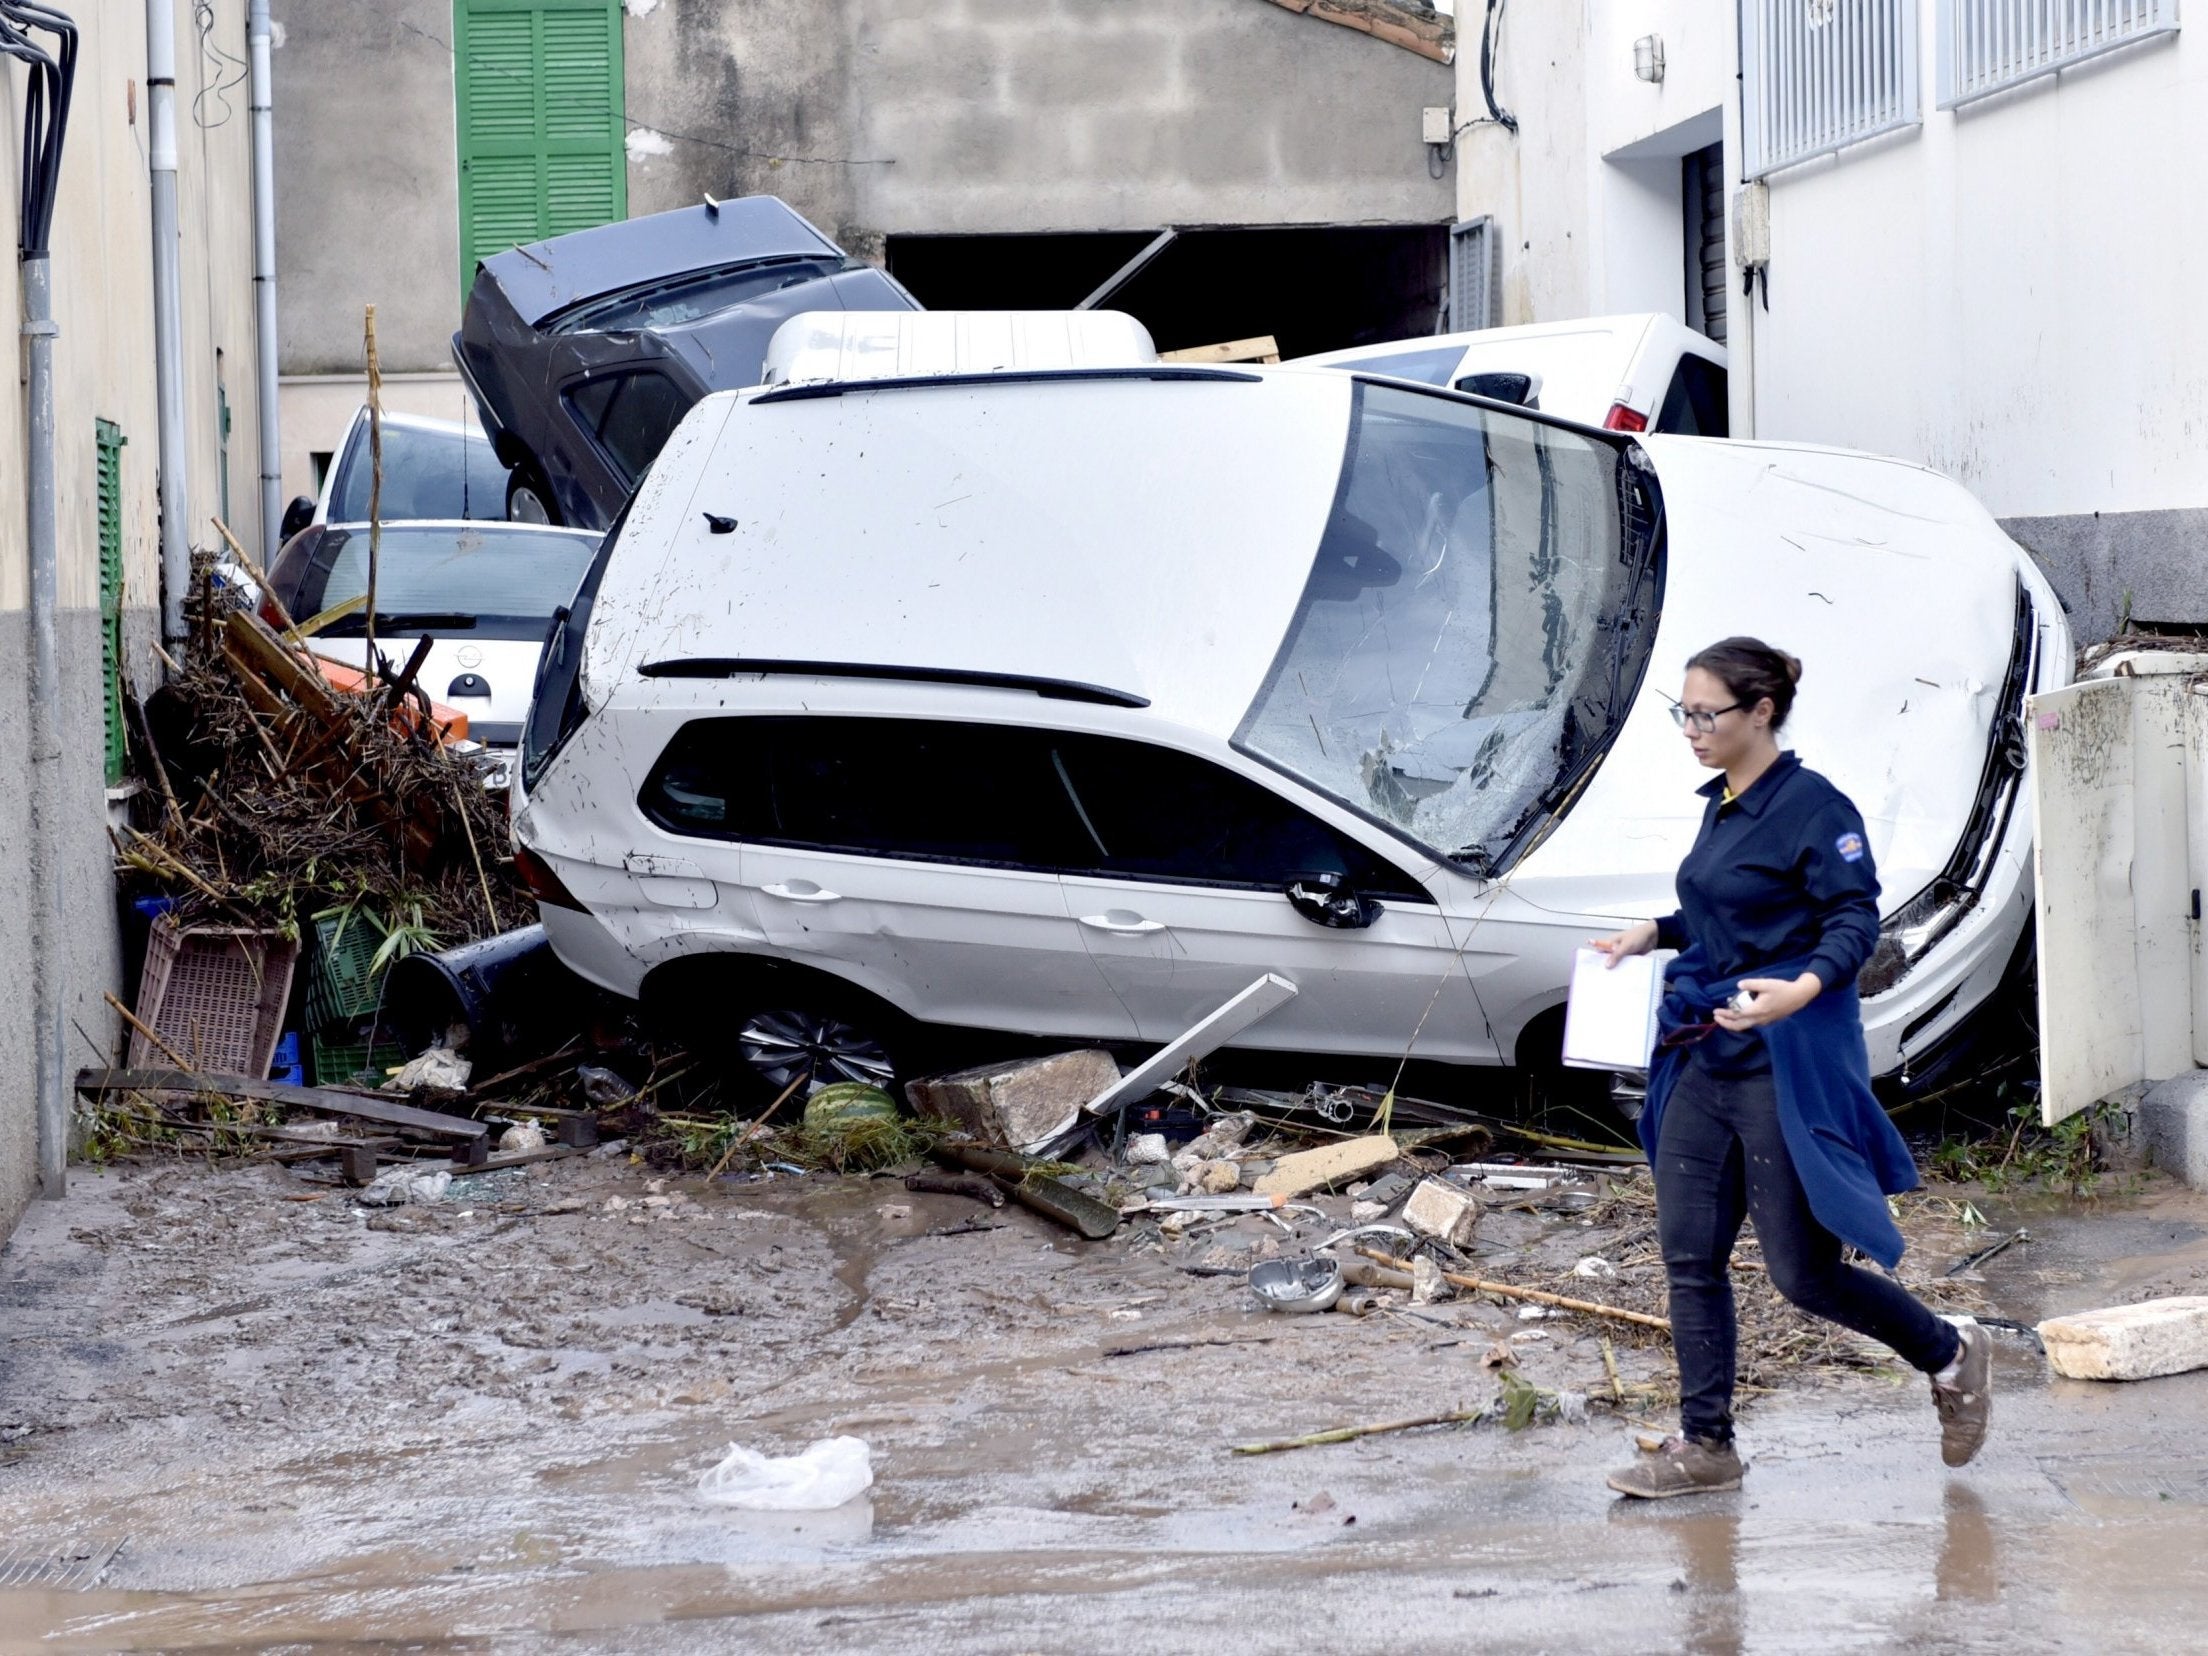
[(1850, 847)]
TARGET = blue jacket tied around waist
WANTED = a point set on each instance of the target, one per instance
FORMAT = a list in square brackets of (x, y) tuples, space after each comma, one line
[(1846, 1151)]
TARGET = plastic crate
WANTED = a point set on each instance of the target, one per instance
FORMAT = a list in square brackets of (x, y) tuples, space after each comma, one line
[(340, 985), (215, 994), (339, 1058)]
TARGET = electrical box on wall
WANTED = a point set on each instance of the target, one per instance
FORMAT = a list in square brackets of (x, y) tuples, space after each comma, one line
[(1434, 124), (1752, 226)]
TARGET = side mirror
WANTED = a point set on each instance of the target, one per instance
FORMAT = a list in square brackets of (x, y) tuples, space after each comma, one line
[(297, 516), (1330, 900)]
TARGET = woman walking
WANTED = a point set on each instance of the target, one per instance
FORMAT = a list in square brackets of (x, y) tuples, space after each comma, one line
[(1759, 1096)]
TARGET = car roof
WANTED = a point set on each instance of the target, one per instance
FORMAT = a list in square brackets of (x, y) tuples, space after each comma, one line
[(1146, 531), (549, 276)]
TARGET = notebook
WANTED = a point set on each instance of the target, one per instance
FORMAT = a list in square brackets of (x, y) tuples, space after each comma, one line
[(1610, 1017)]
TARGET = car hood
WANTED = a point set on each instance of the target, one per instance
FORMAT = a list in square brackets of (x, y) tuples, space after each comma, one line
[(548, 276), (1897, 591)]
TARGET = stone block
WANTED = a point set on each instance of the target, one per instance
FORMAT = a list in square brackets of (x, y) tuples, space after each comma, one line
[(2172, 1123), (1015, 1104), (2129, 1342), (1335, 1164), (1440, 1210)]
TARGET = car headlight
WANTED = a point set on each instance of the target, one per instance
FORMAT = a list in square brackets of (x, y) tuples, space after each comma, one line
[(1909, 935)]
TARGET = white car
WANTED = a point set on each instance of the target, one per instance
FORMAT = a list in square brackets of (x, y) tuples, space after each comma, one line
[(1624, 373), (483, 594), (1068, 704), (431, 469)]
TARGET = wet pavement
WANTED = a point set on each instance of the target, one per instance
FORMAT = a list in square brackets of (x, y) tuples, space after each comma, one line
[(479, 1426)]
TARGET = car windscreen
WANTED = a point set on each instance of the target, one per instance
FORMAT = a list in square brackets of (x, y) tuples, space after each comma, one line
[(688, 298), (488, 583), (1459, 646), (427, 473)]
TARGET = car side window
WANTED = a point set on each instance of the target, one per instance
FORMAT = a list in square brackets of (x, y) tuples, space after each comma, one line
[(1154, 813), (632, 416), (1695, 402), (919, 789)]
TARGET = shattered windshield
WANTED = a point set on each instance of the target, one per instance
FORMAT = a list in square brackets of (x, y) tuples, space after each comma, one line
[(1464, 644)]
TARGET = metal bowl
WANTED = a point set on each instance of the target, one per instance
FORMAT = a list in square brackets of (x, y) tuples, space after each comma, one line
[(1296, 1285)]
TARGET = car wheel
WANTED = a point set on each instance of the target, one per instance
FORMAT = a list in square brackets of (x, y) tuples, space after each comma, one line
[(529, 498), (779, 1046)]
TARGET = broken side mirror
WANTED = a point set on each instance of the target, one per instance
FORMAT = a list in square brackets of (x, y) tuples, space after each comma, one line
[(297, 516), (1328, 899)]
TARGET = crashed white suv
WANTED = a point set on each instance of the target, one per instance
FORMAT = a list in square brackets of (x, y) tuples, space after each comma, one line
[(1069, 703)]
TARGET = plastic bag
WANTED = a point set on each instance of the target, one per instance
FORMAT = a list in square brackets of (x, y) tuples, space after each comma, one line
[(826, 1475)]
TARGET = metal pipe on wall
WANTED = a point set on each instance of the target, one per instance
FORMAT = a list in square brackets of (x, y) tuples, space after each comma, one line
[(257, 32), (168, 315), (48, 990)]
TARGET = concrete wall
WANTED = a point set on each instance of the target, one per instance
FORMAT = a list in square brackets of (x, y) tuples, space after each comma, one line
[(367, 184), (2005, 293), (104, 369), (871, 117)]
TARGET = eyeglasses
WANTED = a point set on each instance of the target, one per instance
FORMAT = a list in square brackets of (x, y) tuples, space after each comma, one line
[(1703, 721)]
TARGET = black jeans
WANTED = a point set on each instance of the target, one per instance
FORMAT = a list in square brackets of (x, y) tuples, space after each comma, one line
[(1723, 1156)]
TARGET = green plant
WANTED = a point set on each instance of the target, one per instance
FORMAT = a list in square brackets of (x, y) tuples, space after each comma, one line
[(412, 935), (2066, 1156)]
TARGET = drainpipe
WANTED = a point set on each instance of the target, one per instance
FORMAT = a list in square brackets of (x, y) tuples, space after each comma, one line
[(49, 992), (257, 33), (168, 315)]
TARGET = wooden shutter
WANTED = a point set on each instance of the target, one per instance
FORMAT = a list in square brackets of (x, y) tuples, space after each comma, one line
[(108, 440), (541, 125)]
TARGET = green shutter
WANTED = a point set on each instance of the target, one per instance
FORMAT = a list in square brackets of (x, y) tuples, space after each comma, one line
[(542, 133), (108, 441)]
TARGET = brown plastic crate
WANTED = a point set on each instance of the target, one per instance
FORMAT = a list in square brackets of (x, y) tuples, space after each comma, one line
[(216, 994)]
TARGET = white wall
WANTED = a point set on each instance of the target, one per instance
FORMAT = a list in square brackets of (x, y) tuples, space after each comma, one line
[(2012, 293)]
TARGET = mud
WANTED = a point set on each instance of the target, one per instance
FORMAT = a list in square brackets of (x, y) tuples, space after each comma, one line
[(478, 1425)]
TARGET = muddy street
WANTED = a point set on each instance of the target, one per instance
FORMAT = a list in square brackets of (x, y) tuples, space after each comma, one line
[(284, 1420)]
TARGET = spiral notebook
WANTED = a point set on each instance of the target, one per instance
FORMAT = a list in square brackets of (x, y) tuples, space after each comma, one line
[(1610, 1015)]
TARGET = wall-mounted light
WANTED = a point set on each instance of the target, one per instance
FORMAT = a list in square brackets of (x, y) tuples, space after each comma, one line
[(1648, 59)]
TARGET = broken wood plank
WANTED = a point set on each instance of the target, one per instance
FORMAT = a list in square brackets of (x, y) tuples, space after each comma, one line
[(321, 1100), (1258, 348)]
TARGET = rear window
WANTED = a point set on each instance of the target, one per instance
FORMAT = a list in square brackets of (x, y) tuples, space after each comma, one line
[(1695, 401), (426, 474), (494, 583)]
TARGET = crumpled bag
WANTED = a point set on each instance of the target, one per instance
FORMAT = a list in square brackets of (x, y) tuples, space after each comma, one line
[(828, 1473), (397, 1186)]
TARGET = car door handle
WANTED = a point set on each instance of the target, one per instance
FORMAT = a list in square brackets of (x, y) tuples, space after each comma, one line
[(802, 891), (1122, 923)]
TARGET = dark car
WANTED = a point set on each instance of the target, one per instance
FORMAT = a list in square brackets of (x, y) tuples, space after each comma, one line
[(584, 352)]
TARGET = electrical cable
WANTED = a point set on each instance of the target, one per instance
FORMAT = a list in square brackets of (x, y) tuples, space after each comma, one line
[(45, 112), (203, 21)]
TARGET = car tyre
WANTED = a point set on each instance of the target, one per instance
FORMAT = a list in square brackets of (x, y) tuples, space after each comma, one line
[(529, 498), (769, 1029)]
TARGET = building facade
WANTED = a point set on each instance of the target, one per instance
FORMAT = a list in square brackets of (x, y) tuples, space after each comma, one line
[(985, 152), (1970, 227), (107, 469)]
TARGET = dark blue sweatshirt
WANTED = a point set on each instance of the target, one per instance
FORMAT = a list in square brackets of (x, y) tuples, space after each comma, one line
[(1784, 872)]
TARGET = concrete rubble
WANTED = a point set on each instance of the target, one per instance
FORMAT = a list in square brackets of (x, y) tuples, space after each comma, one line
[(2129, 1342), (1015, 1104)]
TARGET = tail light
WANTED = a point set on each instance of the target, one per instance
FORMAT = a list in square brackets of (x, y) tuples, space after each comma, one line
[(271, 614), (544, 885), (1622, 418)]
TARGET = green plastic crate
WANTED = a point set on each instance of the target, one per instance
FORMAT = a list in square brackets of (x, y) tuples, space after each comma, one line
[(336, 1060), (341, 989)]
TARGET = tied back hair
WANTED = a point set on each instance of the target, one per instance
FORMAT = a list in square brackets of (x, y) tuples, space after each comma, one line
[(1752, 670)]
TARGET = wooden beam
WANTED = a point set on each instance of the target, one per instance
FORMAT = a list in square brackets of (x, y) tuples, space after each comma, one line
[(1262, 348), (321, 1100)]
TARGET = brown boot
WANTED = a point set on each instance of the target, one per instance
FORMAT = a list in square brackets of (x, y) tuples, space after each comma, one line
[(1682, 1466), (1967, 1402)]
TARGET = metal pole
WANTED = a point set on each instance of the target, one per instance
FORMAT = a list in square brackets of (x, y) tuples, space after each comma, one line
[(168, 315), (48, 992), (264, 277)]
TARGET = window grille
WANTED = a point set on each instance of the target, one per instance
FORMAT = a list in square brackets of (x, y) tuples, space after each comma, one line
[(1988, 46), (1818, 75)]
